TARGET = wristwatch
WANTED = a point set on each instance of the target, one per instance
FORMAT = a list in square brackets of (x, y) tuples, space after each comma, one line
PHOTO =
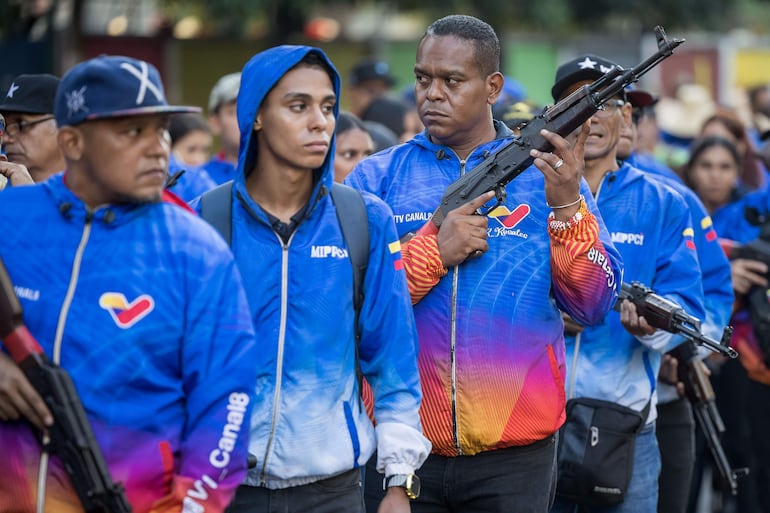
[(409, 482)]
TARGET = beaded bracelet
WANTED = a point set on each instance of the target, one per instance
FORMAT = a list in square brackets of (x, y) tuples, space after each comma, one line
[(580, 198), (558, 225)]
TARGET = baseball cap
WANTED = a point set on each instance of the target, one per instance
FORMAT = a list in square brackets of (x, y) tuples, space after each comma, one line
[(585, 67), (371, 69), (225, 90), (31, 94), (639, 98), (111, 86)]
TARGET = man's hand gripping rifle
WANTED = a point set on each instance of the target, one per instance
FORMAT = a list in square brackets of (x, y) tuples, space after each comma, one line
[(500, 168), (70, 437), (669, 316)]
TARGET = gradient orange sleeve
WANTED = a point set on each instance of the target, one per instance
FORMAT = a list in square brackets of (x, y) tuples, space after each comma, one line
[(422, 263), (567, 246)]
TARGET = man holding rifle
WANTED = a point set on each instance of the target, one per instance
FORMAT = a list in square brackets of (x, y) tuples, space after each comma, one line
[(138, 299), (486, 288), (618, 358)]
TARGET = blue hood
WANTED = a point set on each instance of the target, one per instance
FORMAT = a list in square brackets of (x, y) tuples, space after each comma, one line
[(258, 77)]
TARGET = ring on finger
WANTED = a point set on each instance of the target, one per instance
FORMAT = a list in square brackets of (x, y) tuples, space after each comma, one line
[(558, 164)]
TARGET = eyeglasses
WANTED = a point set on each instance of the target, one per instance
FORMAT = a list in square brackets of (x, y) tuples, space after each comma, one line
[(608, 108), (21, 127)]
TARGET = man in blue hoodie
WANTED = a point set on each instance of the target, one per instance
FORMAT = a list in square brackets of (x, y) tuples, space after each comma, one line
[(309, 431)]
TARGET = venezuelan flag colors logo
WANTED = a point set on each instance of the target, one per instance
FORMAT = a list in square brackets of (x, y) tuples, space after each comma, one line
[(126, 314), (707, 226), (507, 218), (395, 252), (688, 234)]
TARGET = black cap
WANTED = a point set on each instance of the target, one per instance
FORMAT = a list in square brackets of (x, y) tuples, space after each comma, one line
[(640, 99), (30, 94), (371, 69), (585, 67)]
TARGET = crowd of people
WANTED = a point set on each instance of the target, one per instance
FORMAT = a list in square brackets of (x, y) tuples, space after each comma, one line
[(295, 321)]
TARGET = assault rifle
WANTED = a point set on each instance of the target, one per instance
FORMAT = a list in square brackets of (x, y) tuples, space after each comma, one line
[(668, 316), (513, 158), (700, 395), (663, 314), (71, 437)]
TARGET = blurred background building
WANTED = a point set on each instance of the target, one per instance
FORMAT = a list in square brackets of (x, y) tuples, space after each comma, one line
[(193, 42)]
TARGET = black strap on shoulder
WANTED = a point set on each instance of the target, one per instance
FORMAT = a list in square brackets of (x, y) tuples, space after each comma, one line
[(351, 212), (354, 222), (216, 208)]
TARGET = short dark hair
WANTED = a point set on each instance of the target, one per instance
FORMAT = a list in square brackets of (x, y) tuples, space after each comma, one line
[(314, 59), (182, 124), (349, 121), (486, 45)]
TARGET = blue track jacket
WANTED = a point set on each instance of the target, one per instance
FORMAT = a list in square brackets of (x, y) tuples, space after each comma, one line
[(309, 422), (144, 307), (651, 227)]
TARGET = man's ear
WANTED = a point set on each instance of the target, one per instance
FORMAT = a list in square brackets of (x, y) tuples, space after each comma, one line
[(257, 124), (71, 142), (626, 110), (494, 87)]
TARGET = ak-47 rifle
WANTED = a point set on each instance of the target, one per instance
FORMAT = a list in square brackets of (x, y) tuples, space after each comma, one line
[(700, 394), (668, 316), (663, 314), (513, 158), (71, 437)]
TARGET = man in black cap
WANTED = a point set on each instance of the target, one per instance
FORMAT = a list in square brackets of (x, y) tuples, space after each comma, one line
[(675, 424), (30, 129), (617, 359), (369, 79)]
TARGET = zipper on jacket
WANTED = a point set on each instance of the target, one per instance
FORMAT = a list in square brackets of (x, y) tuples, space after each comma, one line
[(453, 331), (57, 343), (601, 184), (279, 356), (453, 346)]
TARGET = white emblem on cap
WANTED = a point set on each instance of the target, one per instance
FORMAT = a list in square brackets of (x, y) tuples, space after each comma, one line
[(587, 64), (605, 69), (145, 83), (76, 100), (12, 90)]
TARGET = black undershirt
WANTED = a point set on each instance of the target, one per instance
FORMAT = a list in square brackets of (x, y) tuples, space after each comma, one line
[(284, 230)]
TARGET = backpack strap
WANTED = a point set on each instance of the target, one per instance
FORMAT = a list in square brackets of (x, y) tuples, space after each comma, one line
[(354, 222), (351, 212), (217, 209)]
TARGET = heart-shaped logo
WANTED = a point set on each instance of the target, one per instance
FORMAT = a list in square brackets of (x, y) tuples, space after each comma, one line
[(126, 314), (514, 217)]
